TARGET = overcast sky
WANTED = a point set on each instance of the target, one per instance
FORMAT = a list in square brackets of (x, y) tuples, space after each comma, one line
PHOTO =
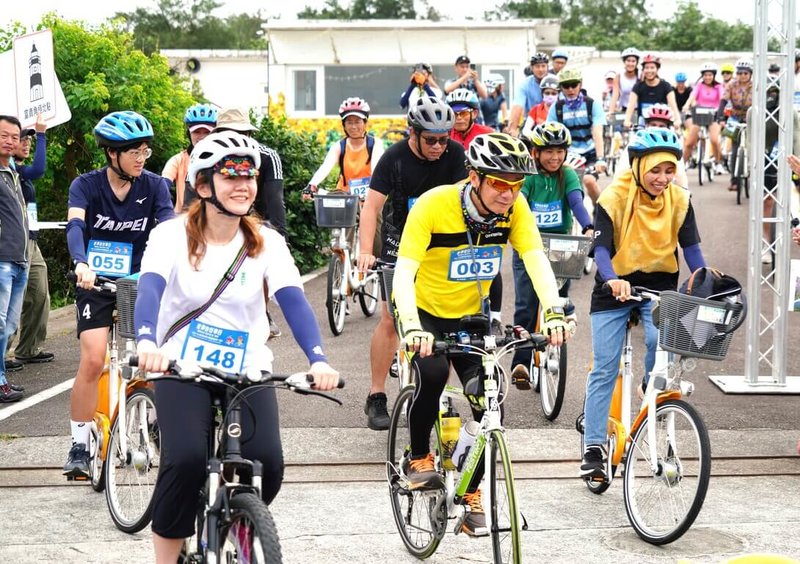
[(96, 11)]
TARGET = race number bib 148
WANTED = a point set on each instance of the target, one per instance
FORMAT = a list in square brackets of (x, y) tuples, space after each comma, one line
[(223, 348), (485, 264), (358, 186), (109, 258), (548, 214)]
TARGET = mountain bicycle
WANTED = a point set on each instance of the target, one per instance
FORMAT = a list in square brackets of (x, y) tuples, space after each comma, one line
[(339, 212), (124, 446), (703, 117), (421, 516), (665, 449), (233, 522), (548, 368)]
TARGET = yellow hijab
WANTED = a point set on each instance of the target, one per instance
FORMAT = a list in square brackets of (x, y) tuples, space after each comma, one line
[(645, 228)]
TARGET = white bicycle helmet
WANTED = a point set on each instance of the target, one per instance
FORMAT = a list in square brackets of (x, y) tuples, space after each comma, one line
[(575, 160), (708, 67), (431, 114), (354, 107), (463, 97), (745, 65), (216, 147), (631, 52)]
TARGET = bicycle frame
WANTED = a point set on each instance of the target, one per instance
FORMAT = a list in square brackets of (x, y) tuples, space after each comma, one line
[(352, 279)]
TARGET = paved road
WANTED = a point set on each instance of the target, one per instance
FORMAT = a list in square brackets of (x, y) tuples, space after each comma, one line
[(335, 524)]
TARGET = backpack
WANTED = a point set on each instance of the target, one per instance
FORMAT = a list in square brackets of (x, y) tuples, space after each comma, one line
[(342, 148), (560, 109)]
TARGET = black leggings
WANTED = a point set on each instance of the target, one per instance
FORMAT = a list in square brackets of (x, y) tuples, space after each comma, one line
[(184, 418), (496, 293), (433, 372)]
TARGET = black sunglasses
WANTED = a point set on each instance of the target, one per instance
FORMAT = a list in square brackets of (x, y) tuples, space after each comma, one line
[(434, 140), (569, 84)]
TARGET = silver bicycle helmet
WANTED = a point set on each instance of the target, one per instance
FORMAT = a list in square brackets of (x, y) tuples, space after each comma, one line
[(431, 114), (499, 152), (549, 81)]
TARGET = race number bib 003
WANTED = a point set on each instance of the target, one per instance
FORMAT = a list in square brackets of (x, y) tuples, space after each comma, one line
[(223, 348), (485, 264), (358, 186), (109, 258), (549, 214)]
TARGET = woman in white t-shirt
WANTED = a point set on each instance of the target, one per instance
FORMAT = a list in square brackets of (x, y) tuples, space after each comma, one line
[(184, 261)]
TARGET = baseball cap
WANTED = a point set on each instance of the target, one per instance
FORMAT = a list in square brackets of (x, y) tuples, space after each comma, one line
[(462, 59), (206, 126), (27, 133), (234, 119)]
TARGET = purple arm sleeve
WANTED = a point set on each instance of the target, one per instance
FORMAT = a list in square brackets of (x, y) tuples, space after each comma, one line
[(575, 199), (693, 256), (602, 259), (148, 303), (36, 169), (301, 319)]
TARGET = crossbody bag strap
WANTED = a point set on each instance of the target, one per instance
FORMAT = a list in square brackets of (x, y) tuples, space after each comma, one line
[(226, 279)]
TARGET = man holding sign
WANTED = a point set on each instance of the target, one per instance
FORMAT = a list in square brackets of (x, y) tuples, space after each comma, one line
[(111, 213)]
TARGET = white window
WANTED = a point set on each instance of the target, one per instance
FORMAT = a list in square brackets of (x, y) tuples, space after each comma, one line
[(306, 92)]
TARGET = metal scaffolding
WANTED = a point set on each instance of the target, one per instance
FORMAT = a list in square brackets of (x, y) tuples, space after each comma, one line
[(775, 27)]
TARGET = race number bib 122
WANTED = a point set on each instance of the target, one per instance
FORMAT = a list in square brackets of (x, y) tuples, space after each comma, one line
[(549, 214), (484, 265), (223, 348), (109, 258)]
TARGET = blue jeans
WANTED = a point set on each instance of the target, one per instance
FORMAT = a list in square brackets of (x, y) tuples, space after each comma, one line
[(526, 306), (13, 279), (608, 337)]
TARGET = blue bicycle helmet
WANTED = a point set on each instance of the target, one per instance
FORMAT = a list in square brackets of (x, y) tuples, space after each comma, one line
[(680, 77), (560, 54), (653, 140), (119, 129), (200, 114)]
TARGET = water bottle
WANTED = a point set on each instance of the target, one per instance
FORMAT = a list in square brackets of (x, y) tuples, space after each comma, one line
[(466, 439), (450, 422)]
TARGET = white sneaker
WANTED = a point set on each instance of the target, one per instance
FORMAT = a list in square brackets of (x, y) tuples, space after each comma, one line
[(719, 169), (766, 258)]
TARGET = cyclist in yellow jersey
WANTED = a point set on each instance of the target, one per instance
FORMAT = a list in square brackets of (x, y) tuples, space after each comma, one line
[(450, 251)]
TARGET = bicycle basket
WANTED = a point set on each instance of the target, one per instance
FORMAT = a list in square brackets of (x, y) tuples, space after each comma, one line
[(697, 327), (126, 299), (387, 277), (703, 117), (336, 210), (618, 119), (567, 253)]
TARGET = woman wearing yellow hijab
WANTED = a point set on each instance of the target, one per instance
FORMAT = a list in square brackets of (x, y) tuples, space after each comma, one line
[(641, 219)]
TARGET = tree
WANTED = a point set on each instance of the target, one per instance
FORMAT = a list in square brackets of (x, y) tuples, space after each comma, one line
[(364, 10), (607, 24), (190, 24), (511, 10), (691, 30), (100, 71)]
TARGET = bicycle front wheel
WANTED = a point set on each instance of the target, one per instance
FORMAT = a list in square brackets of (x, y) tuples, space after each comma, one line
[(420, 516), (505, 528), (250, 535), (701, 154), (369, 295), (662, 499), (553, 380), (130, 475), (336, 303)]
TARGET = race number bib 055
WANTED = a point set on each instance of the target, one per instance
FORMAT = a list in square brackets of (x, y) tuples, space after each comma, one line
[(485, 264), (109, 258), (548, 215), (223, 348), (358, 186)]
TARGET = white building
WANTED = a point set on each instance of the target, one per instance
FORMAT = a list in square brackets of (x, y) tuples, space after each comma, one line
[(318, 63)]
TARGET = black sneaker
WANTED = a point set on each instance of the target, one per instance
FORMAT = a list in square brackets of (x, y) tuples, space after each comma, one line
[(38, 358), (475, 522), (77, 466), (16, 387), (274, 330), (9, 394), (593, 465), (377, 415), (520, 377), (13, 365), (421, 473)]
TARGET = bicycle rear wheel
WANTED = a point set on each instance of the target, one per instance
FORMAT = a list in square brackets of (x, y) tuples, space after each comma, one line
[(420, 516), (250, 535), (505, 518), (97, 466), (130, 476), (701, 153), (336, 303), (369, 294), (662, 504), (553, 382)]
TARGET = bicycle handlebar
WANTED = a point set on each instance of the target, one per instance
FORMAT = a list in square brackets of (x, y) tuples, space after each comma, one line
[(101, 283), (463, 343)]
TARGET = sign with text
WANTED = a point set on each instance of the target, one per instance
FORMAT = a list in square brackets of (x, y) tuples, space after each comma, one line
[(35, 76)]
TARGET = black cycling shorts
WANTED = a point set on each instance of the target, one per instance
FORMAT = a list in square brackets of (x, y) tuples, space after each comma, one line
[(94, 309)]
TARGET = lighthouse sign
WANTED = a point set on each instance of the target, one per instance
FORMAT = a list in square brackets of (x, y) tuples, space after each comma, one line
[(34, 69)]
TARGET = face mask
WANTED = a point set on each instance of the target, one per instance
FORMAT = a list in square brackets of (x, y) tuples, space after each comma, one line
[(549, 99)]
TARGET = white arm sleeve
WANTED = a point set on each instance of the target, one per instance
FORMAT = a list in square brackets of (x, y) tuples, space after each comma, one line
[(331, 159)]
